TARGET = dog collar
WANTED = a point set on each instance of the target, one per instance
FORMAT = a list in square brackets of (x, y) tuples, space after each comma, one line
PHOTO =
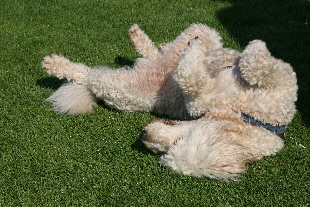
[(279, 130)]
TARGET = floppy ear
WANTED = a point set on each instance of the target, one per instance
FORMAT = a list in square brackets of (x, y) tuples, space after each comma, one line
[(209, 151)]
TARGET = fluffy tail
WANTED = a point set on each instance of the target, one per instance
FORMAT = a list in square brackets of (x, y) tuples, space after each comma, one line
[(72, 99)]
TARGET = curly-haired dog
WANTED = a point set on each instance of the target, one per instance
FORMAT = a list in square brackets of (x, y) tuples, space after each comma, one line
[(234, 106)]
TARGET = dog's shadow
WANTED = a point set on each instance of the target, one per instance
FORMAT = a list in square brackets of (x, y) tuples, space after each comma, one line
[(50, 82), (122, 61), (141, 148)]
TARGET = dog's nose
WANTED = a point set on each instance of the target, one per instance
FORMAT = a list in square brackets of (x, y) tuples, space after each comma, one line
[(143, 134)]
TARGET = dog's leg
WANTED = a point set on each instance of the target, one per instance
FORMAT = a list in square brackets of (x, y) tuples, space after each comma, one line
[(191, 73), (142, 43), (70, 98), (63, 68), (134, 89)]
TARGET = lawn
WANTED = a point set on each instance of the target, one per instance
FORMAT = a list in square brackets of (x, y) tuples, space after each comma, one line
[(96, 159)]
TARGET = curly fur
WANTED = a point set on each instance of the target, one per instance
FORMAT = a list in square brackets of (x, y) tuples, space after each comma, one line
[(192, 78), (72, 99)]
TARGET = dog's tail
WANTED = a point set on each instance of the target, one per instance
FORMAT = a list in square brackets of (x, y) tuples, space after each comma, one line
[(72, 99)]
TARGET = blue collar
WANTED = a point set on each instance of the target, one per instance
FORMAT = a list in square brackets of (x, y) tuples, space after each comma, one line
[(279, 130)]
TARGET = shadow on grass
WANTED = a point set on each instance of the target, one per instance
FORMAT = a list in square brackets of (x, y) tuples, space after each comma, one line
[(50, 82), (121, 61), (141, 148), (285, 26)]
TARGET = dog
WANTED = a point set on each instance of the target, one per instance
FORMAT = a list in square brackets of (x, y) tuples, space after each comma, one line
[(227, 108)]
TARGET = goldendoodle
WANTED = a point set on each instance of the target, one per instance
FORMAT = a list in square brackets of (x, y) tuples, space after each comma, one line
[(228, 108)]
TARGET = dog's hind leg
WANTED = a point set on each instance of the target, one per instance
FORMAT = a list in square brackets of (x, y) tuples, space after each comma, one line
[(126, 89), (63, 68)]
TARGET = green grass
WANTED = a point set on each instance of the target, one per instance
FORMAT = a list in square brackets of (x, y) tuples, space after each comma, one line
[(95, 160)]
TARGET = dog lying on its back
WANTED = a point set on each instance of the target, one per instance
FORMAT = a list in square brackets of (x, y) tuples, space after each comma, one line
[(239, 103)]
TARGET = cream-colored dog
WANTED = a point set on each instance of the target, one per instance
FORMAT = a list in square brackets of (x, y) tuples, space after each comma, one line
[(234, 106)]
